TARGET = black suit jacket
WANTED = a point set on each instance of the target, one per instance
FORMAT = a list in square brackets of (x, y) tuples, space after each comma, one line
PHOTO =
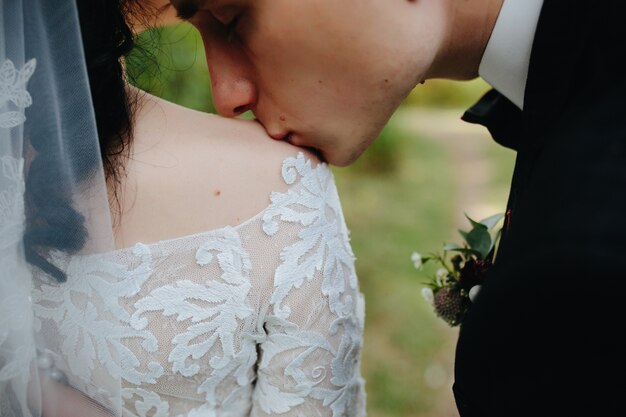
[(546, 336)]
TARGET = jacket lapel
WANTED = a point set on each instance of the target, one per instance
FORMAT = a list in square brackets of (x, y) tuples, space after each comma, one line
[(556, 52), (554, 64)]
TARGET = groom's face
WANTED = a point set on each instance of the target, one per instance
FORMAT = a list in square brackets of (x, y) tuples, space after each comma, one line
[(325, 74)]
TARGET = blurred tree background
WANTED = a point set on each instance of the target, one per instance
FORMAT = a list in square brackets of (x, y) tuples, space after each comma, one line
[(408, 192)]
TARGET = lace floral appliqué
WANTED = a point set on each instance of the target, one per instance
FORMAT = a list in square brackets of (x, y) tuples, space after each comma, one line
[(16, 344), (194, 327), (323, 245), (295, 348), (13, 89)]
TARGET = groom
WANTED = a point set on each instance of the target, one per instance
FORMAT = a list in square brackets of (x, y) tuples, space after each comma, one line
[(546, 335)]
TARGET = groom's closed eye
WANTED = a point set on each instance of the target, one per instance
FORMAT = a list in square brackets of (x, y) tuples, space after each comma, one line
[(228, 16)]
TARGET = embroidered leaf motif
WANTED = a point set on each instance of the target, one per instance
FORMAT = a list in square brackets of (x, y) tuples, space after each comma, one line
[(215, 310), (323, 245), (345, 374), (11, 119), (150, 403), (88, 314), (316, 366), (336, 383), (13, 89), (274, 401), (11, 199)]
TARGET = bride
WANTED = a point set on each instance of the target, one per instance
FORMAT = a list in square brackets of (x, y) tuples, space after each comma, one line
[(157, 261)]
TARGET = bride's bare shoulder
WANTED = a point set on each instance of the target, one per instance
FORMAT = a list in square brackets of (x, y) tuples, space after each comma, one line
[(190, 172), (181, 130)]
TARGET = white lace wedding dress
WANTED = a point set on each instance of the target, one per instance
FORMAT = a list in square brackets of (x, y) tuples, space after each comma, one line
[(264, 318)]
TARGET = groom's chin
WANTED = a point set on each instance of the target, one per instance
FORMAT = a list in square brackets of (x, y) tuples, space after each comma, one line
[(340, 161)]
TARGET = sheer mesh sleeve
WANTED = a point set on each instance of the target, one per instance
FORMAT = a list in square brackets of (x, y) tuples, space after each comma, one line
[(264, 316), (309, 360)]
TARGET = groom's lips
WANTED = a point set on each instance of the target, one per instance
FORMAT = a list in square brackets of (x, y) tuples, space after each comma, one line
[(274, 135), (292, 139), (289, 137), (295, 140), (279, 136), (285, 137)]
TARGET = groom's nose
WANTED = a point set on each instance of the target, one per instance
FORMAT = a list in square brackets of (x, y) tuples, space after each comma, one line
[(233, 85)]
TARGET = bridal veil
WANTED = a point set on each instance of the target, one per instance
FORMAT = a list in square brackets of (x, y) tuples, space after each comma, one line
[(53, 202)]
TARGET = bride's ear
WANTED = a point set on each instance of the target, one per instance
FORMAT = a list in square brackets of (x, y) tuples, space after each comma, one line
[(148, 14)]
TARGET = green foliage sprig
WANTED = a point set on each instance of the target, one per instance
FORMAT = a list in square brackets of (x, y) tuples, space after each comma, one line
[(462, 269)]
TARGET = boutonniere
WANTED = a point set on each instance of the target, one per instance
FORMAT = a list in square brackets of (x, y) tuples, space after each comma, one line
[(462, 269)]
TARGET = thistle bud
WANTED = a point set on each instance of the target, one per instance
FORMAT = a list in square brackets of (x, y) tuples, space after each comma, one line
[(450, 305)]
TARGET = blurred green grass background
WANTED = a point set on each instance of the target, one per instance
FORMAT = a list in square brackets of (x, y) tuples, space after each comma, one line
[(406, 193)]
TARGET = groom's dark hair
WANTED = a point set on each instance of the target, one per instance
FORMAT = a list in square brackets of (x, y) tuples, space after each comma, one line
[(186, 9)]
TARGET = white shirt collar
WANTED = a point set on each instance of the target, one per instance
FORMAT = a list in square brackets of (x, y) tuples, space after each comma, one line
[(504, 64)]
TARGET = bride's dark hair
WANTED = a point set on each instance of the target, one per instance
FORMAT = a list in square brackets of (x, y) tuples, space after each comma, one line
[(107, 37), (52, 221)]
